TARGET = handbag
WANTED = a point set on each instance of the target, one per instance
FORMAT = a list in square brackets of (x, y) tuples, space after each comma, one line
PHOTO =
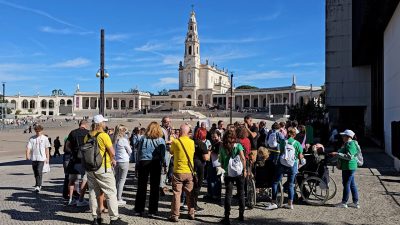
[(194, 174), (46, 168), (339, 164)]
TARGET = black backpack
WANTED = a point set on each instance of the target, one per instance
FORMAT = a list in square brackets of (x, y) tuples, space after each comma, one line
[(91, 157)]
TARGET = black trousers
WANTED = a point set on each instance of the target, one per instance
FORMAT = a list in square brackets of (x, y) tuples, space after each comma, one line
[(199, 168), (148, 168), (229, 181), (37, 167), (57, 152)]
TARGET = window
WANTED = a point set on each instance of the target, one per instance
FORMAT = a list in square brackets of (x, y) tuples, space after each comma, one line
[(25, 104), (123, 104), (43, 104), (62, 102), (51, 104), (32, 104), (190, 50), (69, 102), (191, 27)]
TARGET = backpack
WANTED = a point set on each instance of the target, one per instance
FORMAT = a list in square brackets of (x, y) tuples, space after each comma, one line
[(359, 157), (91, 157), (272, 139), (288, 155), (235, 165)]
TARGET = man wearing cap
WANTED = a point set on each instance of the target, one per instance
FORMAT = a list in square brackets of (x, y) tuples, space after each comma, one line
[(103, 180), (348, 164)]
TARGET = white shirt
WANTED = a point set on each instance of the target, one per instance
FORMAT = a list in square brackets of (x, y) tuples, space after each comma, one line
[(38, 145), (122, 150)]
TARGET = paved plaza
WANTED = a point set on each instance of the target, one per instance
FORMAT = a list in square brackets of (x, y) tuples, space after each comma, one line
[(379, 187)]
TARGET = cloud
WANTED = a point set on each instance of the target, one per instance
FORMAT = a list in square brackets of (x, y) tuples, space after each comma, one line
[(274, 74), (40, 13), (300, 64), (51, 30), (149, 47), (8, 77), (169, 80), (116, 37), (171, 59), (236, 41), (224, 54), (270, 17), (72, 63)]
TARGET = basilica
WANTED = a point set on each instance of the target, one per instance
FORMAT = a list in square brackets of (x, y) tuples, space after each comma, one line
[(201, 86)]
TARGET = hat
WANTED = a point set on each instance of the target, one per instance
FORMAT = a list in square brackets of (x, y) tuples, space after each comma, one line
[(99, 119), (349, 133)]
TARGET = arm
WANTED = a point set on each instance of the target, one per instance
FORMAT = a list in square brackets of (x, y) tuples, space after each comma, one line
[(243, 159), (28, 153), (128, 148), (67, 147), (47, 155), (253, 134)]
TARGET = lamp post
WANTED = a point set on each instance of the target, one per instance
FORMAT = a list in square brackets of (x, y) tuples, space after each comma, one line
[(3, 111), (102, 74), (230, 113)]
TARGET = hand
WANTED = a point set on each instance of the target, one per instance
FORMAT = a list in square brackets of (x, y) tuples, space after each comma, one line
[(333, 153), (47, 161), (28, 157), (114, 163), (245, 174)]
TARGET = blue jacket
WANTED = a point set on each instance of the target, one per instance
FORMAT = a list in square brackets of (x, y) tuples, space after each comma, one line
[(151, 149)]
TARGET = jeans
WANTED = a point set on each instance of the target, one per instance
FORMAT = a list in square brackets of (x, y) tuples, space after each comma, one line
[(37, 167), (164, 176), (199, 168), (213, 182), (291, 173), (148, 168), (121, 172), (101, 181), (239, 180), (349, 184)]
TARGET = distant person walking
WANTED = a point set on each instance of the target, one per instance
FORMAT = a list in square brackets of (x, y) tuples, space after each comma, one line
[(37, 150), (57, 145)]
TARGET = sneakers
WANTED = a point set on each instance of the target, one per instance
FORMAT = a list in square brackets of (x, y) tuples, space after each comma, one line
[(287, 206), (37, 189), (72, 202), (341, 205), (97, 221), (354, 205), (82, 203), (117, 222), (183, 208), (271, 206), (121, 202)]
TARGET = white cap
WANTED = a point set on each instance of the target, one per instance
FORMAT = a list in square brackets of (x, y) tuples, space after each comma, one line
[(99, 119), (349, 133)]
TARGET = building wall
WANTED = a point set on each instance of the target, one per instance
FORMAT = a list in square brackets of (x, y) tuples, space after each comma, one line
[(391, 79), (345, 85)]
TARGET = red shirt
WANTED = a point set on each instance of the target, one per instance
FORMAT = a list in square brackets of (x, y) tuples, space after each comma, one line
[(246, 145)]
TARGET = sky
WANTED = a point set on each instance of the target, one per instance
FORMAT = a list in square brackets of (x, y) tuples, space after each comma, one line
[(47, 44)]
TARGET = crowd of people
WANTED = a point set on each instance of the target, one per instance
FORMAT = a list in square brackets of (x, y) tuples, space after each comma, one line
[(185, 159)]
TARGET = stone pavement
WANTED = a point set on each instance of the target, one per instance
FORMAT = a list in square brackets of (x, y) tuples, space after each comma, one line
[(379, 188)]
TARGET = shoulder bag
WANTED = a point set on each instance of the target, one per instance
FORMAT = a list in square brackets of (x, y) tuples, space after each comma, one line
[(194, 174)]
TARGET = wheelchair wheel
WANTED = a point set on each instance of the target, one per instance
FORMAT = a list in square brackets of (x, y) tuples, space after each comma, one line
[(314, 191), (251, 196), (332, 188)]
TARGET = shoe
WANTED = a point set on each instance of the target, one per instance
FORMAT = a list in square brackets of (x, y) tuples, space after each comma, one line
[(162, 191), (71, 202), (287, 206), (183, 207), (97, 221), (152, 214), (36, 189), (138, 214), (121, 202), (341, 205), (117, 222), (354, 205), (271, 206), (173, 219), (225, 221), (198, 209), (82, 203)]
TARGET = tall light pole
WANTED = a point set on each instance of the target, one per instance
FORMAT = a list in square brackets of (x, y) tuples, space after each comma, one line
[(101, 103), (3, 111), (230, 113)]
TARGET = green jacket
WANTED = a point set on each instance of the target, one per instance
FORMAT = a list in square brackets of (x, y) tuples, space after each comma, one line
[(347, 156)]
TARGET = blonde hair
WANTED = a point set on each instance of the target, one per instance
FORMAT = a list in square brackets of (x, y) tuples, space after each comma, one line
[(292, 132), (119, 132), (153, 131), (263, 153)]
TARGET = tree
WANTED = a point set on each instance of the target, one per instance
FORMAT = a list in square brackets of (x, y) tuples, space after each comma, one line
[(29, 110), (163, 92), (308, 111), (17, 112), (247, 87), (58, 92)]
